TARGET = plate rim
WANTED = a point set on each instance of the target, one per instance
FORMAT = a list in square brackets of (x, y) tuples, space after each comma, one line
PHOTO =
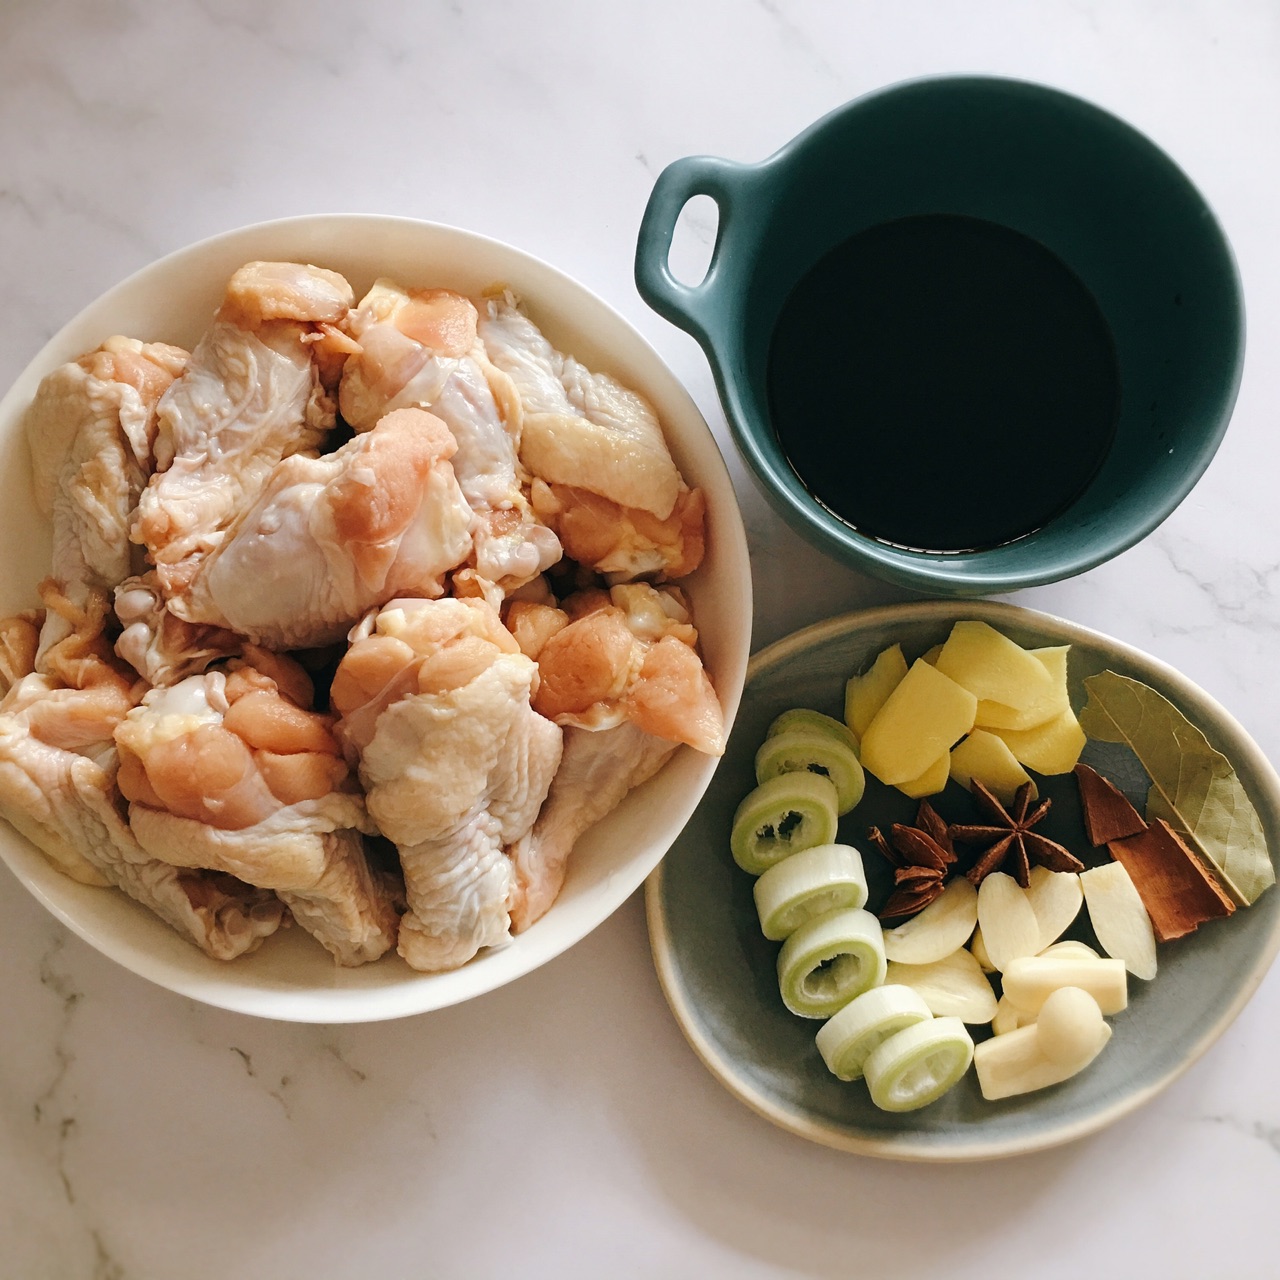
[(840, 1138)]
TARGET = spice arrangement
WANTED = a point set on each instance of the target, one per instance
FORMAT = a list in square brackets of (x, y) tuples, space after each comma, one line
[(995, 943)]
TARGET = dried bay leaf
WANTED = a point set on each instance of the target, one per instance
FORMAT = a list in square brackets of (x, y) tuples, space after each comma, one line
[(1193, 786)]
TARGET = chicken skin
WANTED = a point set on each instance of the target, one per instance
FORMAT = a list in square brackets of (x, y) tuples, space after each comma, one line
[(258, 388), (329, 538), (91, 428), (58, 786), (435, 705), (603, 477), (628, 654), (227, 772), (420, 348)]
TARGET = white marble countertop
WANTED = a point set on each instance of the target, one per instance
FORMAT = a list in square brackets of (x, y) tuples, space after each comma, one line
[(561, 1126)]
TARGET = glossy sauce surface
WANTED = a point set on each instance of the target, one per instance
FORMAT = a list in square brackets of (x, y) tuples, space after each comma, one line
[(943, 383)]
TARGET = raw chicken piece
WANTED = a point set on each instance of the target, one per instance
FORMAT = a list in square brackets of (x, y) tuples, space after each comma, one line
[(596, 772), (624, 543), (331, 537), (419, 348), (159, 645), (90, 429), (259, 387), (58, 788), (224, 772), (604, 478), (434, 698), (412, 344), (580, 428), (624, 655)]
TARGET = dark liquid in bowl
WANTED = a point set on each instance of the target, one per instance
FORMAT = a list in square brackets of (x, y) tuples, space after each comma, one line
[(943, 383)]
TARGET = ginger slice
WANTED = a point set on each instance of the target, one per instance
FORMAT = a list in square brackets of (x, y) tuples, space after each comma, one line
[(1177, 890), (1108, 815)]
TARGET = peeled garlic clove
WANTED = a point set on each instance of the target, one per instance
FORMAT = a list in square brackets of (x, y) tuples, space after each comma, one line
[(1119, 918), (1013, 1064), (1070, 1028), (952, 987), (942, 927), (1007, 919), (1055, 897), (1029, 981)]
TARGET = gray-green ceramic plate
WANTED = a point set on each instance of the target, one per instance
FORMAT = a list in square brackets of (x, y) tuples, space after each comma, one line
[(719, 975)]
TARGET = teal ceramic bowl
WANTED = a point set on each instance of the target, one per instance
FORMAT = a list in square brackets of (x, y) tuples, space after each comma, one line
[(1100, 196), (719, 973)]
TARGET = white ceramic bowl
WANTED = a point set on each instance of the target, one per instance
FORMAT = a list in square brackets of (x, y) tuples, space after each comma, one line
[(173, 299)]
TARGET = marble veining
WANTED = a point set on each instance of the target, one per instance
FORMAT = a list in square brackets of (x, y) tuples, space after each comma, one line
[(561, 1127)]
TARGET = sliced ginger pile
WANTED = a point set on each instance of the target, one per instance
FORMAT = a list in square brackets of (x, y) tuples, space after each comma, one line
[(977, 707)]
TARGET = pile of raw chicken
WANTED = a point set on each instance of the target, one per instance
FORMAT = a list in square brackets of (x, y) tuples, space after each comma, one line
[(359, 615)]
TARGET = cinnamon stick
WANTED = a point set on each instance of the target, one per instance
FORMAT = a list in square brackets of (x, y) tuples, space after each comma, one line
[(1108, 815), (1176, 889)]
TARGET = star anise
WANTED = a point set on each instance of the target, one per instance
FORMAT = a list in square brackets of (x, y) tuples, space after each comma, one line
[(1009, 839), (921, 856)]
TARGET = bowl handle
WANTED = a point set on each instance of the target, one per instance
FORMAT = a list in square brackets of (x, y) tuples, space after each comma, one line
[(698, 309)]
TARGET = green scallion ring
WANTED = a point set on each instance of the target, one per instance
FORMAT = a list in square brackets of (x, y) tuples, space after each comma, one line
[(830, 960), (813, 751), (850, 1036), (790, 812), (804, 718), (807, 884), (917, 1065)]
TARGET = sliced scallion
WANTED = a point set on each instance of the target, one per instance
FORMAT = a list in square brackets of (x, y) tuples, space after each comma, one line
[(803, 750), (808, 884), (783, 815), (829, 960), (847, 1039), (917, 1065), (804, 718)]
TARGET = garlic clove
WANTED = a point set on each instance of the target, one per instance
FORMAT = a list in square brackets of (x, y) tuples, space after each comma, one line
[(944, 926), (1007, 919), (1055, 897), (1069, 1028), (1119, 918), (1029, 981), (952, 987)]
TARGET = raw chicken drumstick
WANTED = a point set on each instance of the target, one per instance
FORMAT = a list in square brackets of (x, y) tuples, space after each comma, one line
[(419, 348), (329, 538), (229, 771), (58, 765), (434, 697), (259, 387)]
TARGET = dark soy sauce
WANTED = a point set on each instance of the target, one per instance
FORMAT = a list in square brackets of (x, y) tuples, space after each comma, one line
[(943, 383)]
